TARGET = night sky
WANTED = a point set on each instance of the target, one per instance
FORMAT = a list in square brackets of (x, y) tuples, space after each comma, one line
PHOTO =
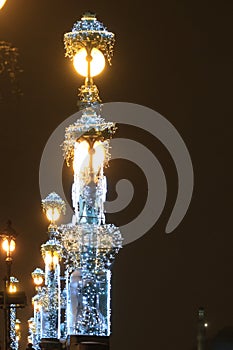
[(175, 58)]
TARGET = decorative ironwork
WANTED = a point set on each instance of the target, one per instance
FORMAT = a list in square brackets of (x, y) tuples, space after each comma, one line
[(89, 33), (53, 200)]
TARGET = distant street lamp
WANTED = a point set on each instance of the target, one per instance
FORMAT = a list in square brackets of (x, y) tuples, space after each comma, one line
[(51, 251), (53, 206), (10, 297), (8, 236), (37, 300), (38, 277)]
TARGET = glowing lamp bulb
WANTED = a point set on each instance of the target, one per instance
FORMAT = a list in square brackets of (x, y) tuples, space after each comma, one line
[(52, 214), (38, 280), (48, 258), (55, 259), (99, 156), (97, 62), (82, 154), (17, 325), (12, 288), (2, 3), (8, 245)]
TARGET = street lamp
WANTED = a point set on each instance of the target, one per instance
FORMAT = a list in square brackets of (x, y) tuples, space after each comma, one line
[(88, 45), (90, 244), (51, 253), (38, 277), (8, 245), (37, 301), (8, 236), (12, 289), (53, 206)]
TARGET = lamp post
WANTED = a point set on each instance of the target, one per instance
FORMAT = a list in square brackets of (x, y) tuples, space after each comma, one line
[(8, 245), (38, 279), (90, 244), (53, 206), (12, 308)]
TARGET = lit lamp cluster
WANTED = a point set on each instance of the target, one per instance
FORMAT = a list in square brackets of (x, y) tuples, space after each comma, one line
[(80, 305)]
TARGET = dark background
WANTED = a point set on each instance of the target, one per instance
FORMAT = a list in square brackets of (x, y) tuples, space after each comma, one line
[(174, 57)]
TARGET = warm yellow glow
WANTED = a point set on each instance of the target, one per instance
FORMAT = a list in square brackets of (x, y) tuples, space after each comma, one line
[(97, 63), (38, 280), (52, 214), (51, 258), (82, 156), (2, 3), (12, 288), (55, 259), (17, 324), (48, 258), (8, 245), (98, 157)]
